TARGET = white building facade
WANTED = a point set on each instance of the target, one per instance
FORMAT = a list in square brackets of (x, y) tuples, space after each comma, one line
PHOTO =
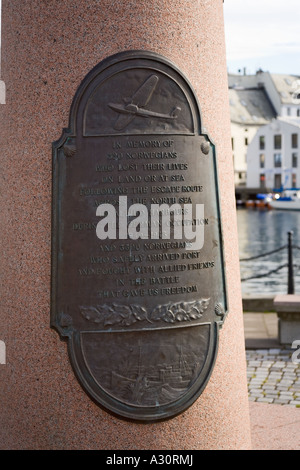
[(250, 109), (255, 101), (273, 157)]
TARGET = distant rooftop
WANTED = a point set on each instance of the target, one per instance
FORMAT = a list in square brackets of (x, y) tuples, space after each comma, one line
[(239, 81), (285, 84), (250, 106)]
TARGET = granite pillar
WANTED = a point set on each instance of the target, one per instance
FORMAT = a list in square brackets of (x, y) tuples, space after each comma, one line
[(47, 49)]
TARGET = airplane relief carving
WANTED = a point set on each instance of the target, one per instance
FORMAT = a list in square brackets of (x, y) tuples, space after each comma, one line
[(135, 106)]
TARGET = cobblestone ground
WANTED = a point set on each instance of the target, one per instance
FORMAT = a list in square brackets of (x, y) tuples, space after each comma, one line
[(274, 376)]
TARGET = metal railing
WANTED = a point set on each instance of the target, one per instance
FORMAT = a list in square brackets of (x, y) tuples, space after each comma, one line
[(290, 263)]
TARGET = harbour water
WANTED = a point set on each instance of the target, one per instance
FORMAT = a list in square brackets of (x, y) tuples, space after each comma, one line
[(262, 231)]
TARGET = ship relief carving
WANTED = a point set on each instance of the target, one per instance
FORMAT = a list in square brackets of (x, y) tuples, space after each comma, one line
[(138, 384), (156, 369)]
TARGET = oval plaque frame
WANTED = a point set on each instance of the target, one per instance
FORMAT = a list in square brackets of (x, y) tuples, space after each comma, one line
[(142, 310)]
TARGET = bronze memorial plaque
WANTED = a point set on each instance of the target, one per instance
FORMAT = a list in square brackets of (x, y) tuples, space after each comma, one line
[(138, 281)]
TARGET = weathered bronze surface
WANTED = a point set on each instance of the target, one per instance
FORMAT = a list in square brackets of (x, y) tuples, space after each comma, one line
[(141, 316)]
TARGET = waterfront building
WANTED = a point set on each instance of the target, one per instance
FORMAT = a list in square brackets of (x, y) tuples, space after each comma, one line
[(250, 108), (255, 101), (273, 156)]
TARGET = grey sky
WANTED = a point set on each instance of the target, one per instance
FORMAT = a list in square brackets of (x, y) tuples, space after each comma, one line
[(263, 34)]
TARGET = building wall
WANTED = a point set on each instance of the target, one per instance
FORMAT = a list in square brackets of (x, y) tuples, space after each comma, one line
[(290, 111), (283, 93), (241, 136), (288, 174)]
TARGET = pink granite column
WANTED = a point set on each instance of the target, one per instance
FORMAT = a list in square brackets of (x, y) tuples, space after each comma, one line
[(47, 49)]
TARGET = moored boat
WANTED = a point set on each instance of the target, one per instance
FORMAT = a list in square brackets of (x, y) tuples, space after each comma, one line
[(261, 201), (289, 199)]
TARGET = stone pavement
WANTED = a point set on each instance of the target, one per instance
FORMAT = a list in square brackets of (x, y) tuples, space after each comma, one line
[(273, 371), (273, 385), (273, 377)]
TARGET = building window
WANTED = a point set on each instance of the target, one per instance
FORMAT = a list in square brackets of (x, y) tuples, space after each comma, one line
[(277, 141), (294, 141), (277, 160), (298, 112), (288, 111), (246, 140), (277, 181), (232, 143), (294, 160), (262, 159), (262, 181), (262, 142), (294, 180)]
